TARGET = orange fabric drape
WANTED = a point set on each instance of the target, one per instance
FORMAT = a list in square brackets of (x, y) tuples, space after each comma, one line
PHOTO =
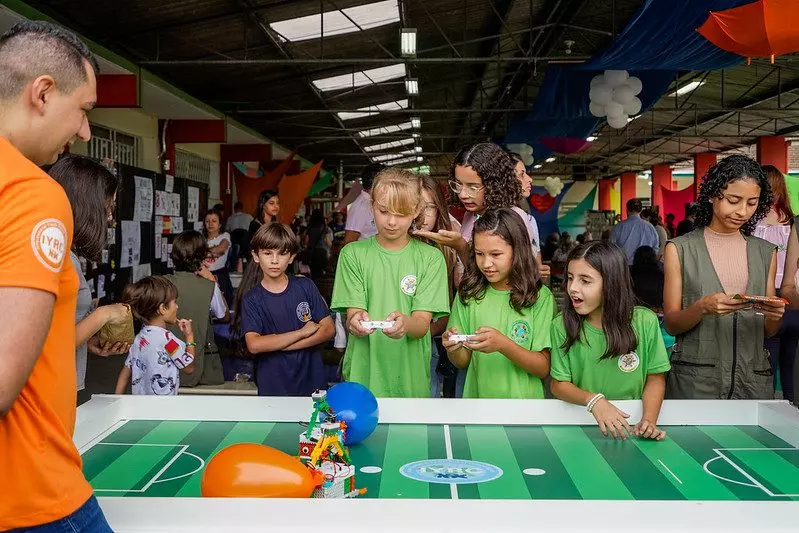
[(765, 28), (294, 189), (248, 189)]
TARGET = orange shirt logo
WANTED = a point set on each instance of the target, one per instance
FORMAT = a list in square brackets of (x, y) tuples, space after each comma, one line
[(49, 243)]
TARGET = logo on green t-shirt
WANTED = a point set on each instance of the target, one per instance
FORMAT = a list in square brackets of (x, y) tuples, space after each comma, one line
[(304, 312), (520, 332), (408, 285), (629, 362)]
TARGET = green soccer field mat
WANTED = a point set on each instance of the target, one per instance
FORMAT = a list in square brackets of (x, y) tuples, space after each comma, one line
[(153, 458)]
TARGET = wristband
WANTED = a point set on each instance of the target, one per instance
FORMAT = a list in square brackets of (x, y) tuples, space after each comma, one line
[(191, 344), (592, 402)]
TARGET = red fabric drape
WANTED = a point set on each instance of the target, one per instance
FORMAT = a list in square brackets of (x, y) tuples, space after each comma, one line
[(674, 202), (248, 189)]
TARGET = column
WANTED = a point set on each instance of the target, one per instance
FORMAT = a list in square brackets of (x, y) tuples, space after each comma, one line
[(605, 188), (661, 177), (702, 163), (628, 184), (773, 151)]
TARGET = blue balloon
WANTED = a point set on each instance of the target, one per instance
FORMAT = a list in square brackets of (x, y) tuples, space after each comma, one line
[(357, 406)]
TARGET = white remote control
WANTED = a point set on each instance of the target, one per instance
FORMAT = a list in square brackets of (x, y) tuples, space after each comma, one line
[(377, 324), (462, 338)]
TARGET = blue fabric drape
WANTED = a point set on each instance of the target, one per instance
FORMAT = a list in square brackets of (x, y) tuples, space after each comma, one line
[(548, 220), (657, 42)]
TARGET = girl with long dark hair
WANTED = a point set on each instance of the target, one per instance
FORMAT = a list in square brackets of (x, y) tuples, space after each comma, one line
[(719, 351), (604, 347), (502, 302)]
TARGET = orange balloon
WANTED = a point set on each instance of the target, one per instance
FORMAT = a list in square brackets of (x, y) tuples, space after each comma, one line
[(256, 471)]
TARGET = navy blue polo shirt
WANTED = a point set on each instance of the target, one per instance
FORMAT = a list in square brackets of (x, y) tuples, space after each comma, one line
[(285, 372)]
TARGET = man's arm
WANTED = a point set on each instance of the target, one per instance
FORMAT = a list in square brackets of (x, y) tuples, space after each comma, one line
[(22, 338)]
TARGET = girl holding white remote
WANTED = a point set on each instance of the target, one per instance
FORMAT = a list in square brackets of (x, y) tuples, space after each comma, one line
[(505, 311), (604, 347), (390, 287)]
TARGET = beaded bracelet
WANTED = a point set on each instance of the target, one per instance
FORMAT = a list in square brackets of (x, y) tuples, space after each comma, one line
[(592, 402)]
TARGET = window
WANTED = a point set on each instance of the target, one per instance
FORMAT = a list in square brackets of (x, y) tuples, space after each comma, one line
[(338, 22), (107, 143), (193, 167), (391, 144), (394, 128), (360, 79)]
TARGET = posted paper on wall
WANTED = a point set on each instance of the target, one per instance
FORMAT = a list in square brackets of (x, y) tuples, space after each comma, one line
[(143, 202), (199, 226), (131, 243), (169, 184), (140, 272), (193, 205), (164, 250), (177, 225)]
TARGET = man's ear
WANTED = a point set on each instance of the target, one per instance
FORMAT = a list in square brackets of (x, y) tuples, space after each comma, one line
[(40, 91)]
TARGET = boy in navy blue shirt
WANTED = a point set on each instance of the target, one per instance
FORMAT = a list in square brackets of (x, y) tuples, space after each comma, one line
[(284, 319)]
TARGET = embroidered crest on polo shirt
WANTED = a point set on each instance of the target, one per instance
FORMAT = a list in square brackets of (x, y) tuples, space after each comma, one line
[(408, 285), (629, 362), (49, 243), (304, 312)]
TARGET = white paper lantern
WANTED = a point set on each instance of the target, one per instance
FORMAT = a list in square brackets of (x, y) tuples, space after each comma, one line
[(635, 84), (598, 110), (553, 185), (524, 150), (623, 94), (633, 107), (616, 78), (601, 94), (599, 79), (614, 109), (617, 122)]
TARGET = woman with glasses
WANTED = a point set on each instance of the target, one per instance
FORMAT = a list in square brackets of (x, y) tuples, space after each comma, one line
[(483, 177)]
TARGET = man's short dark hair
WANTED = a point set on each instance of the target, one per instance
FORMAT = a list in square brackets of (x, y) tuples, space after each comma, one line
[(238, 206), (34, 48), (368, 175), (634, 205), (189, 250)]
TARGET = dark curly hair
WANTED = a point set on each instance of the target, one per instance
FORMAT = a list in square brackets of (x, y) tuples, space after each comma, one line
[(189, 250), (730, 169), (523, 277), (496, 169)]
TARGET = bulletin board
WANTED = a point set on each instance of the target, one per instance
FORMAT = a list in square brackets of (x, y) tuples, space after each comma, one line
[(151, 210)]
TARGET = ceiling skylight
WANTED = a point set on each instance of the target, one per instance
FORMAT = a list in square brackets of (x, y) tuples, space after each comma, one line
[(362, 78), (338, 22), (394, 128), (388, 145), (404, 160), (374, 109), (383, 158)]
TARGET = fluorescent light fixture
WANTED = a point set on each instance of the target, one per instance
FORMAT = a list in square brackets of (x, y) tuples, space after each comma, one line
[(630, 119), (550, 160), (591, 138), (338, 22), (416, 135), (374, 110), (412, 86), (394, 128), (650, 183), (416, 122), (687, 88), (388, 145), (418, 149), (539, 165), (408, 42), (360, 79), (419, 159)]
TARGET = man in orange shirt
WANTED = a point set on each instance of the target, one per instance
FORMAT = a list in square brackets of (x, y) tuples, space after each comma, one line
[(47, 85)]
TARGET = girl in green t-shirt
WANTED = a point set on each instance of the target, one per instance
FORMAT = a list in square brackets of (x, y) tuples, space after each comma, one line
[(608, 352), (503, 304)]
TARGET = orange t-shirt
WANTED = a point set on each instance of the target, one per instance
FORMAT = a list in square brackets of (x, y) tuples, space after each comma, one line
[(40, 469)]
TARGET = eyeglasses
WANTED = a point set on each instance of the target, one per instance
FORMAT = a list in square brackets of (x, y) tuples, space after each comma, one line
[(471, 190)]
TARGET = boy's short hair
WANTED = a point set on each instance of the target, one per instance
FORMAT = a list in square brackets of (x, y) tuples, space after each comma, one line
[(400, 190), (275, 236), (148, 294), (189, 250)]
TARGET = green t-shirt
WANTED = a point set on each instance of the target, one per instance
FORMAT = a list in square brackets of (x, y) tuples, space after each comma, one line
[(492, 375), (381, 281), (618, 378)]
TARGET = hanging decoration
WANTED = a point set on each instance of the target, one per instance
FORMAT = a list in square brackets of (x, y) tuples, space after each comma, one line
[(614, 94), (524, 150), (765, 28), (565, 145), (553, 185)]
